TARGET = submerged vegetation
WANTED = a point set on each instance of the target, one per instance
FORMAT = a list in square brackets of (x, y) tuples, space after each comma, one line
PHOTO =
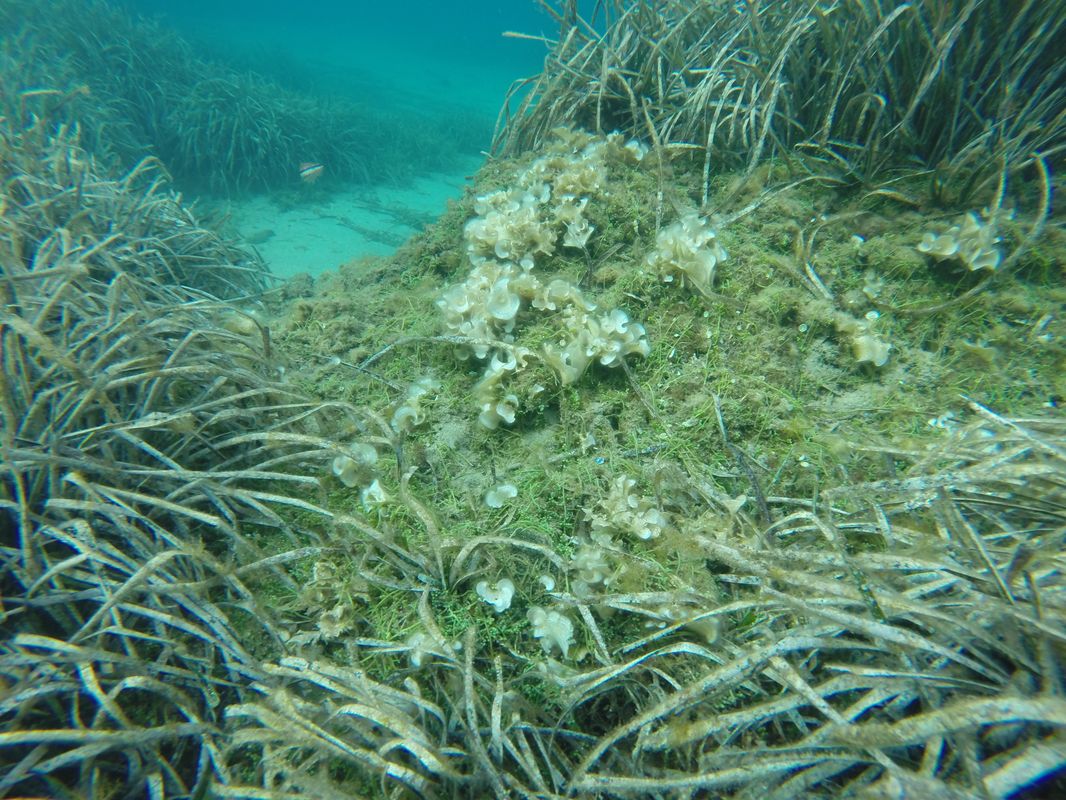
[(135, 407), (781, 516), (860, 93)]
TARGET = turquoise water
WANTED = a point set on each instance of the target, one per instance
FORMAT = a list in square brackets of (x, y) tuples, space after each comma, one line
[(425, 54)]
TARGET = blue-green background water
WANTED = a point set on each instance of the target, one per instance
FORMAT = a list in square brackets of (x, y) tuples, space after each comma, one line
[(411, 55)]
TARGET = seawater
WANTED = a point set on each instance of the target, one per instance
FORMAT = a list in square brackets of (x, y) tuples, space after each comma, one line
[(395, 55)]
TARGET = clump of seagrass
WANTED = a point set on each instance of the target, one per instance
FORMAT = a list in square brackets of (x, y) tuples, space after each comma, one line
[(145, 450), (873, 655), (117, 61), (857, 91), (59, 204), (241, 131)]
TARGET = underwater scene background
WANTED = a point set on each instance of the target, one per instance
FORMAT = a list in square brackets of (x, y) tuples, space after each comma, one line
[(430, 75), (660, 400)]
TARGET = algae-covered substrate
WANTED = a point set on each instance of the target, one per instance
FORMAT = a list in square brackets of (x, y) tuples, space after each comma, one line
[(747, 525)]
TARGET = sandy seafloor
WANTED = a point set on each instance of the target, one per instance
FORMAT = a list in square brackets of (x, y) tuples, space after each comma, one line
[(333, 227)]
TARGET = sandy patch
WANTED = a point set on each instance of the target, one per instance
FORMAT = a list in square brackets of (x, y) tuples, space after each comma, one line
[(344, 225)]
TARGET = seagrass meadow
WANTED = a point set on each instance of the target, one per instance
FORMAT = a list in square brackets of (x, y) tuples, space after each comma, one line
[(710, 446)]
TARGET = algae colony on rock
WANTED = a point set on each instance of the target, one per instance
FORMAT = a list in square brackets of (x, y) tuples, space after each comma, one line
[(752, 447), (686, 455)]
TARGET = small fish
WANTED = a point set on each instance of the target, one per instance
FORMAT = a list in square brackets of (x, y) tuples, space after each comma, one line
[(311, 171)]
